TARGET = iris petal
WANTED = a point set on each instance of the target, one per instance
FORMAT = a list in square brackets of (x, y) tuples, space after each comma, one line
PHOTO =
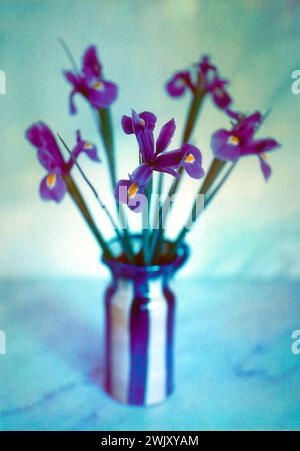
[(40, 135), (260, 146), (91, 66), (149, 119), (127, 125), (265, 168), (102, 98), (223, 148), (178, 84), (126, 193), (86, 147), (165, 136), (89, 83), (53, 187), (192, 161), (142, 175)]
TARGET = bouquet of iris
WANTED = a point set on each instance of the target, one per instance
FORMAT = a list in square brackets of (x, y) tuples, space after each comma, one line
[(139, 303)]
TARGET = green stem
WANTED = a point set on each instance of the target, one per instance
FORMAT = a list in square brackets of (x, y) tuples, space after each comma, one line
[(213, 172), (195, 212), (211, 195), (107, 137), (68, 53), (164, 208), (99, 200), (156, 213), (160, 183), (192, 115), (146, 223), (188, 129), (79, 201), (108, 141)]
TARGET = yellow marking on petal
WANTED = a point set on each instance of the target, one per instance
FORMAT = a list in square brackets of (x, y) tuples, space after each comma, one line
[(190, 158), (235, 140), (132, 190), (88, 145), (98, 85), (264, 156), (51, 179), (142, 122)]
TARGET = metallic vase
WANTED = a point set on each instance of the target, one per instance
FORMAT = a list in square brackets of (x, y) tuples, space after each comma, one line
[(139, 323)]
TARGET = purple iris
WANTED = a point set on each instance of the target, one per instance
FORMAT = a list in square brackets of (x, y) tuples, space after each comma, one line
[(205, 79), (90, 83), (153, 157), (53, 185), (86, 147), (239, 141)]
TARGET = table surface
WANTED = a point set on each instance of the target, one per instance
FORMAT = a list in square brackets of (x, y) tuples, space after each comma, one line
[(234, 364)]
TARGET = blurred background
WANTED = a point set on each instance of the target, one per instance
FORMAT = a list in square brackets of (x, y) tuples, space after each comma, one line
[(252, 229)]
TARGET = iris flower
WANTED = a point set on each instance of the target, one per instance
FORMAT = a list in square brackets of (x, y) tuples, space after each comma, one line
[(154, 157), (203, 77), (90, 83), (230, 145), (53, 185)]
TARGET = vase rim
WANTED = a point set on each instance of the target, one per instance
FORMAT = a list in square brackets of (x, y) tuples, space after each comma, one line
[(130, 269)]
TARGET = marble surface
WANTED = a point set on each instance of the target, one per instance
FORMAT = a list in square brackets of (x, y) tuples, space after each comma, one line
[(235, 368)]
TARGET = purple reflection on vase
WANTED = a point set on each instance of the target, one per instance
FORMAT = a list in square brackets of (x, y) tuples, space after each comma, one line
[(140, 314)]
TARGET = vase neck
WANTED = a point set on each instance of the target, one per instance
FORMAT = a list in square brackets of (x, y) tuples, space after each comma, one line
[(140, 285)]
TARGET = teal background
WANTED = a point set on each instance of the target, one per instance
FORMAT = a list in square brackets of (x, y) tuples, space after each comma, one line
[(252, 230)]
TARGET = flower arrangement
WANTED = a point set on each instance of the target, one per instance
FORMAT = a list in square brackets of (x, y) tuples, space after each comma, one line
[(139, 303), (202, 81)]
